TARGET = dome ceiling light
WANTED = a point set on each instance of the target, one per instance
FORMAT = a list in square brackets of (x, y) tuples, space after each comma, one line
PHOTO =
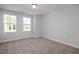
[(34, 6)]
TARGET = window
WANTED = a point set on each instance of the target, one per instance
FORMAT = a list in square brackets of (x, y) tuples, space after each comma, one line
[(26, 24), (9, 23)]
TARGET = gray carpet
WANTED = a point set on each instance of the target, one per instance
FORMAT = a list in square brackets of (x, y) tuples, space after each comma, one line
[(36, 46)]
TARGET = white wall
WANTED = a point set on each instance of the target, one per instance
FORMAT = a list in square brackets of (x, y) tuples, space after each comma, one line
[(19, 32), (62, 25), (37, 23)]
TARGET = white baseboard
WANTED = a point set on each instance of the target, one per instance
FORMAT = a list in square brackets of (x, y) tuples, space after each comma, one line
[(36, 36), (2, 41), (75, 46), (7, 40), (68, 44)]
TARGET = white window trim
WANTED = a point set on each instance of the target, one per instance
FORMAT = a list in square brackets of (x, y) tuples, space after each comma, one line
[(9, 23), (27, 24)]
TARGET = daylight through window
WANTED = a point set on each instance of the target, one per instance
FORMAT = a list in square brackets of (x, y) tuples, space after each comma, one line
[(26, 24), (9, 23)]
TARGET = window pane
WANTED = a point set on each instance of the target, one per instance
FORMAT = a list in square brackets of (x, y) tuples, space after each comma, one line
[(13, 19), (26, 28), (9, 23), (26, 20), (6, 27), (9, 27), (9, 19)]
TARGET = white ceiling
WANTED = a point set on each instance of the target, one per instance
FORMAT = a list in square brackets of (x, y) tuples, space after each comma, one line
[(26, 8)]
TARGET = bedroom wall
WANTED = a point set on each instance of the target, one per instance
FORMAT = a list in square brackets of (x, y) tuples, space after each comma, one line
[(37, 27), (62, 25), (19, 33)]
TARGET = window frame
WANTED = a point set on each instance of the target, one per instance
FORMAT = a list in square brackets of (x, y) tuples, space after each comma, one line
[(27, 24), (9, 23)]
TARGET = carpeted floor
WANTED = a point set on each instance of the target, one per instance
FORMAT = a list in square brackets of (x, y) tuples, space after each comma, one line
[(36, 46)]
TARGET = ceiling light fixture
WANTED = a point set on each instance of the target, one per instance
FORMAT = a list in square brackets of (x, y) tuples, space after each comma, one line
[(34, 6)]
